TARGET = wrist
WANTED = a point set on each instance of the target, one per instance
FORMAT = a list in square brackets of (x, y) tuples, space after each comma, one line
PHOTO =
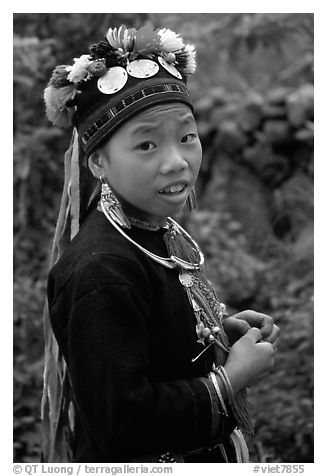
[(236, 380)]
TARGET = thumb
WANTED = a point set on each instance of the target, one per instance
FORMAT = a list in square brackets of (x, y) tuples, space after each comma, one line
[(254, 334)]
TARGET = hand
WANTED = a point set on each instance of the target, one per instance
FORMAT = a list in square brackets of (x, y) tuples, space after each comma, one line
[(235, 328), (249, 360), (238, 324)]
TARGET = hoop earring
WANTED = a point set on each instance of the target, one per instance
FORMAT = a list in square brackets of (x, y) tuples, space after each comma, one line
[(112, 205), (191, 201)]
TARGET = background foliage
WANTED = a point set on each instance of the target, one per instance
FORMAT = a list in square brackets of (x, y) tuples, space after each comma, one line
[(254, 104)]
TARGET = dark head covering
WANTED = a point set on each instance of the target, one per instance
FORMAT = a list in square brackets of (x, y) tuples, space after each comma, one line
[(127, 72)]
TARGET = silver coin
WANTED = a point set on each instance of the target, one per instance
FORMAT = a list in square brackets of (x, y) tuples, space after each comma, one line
[(113, 81), (186, 279), (142, 68), (170, 68)]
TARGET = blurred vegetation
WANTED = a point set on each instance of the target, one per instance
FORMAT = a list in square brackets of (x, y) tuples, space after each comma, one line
[(254, 105)]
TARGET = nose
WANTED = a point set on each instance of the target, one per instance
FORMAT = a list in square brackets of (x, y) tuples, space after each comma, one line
[(173, 161)]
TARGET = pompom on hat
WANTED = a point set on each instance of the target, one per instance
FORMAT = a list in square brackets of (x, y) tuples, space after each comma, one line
[(128, 71)]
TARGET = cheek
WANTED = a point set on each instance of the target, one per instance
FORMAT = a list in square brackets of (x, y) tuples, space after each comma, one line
[(116, 169), (196, 157), (128, 178)]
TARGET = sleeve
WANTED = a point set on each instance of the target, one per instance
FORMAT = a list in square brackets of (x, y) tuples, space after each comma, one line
[(107, 354)]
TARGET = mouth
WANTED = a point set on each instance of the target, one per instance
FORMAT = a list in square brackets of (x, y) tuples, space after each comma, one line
[(174, 189)]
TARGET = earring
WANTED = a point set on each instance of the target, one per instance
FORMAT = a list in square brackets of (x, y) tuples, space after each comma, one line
[(191, 201), (112, 205)]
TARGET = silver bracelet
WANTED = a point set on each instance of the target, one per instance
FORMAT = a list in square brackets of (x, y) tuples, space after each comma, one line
[(220, 397), (229, 389)]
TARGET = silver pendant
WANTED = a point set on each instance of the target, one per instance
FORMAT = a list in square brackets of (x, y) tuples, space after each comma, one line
[(170, 68), (113, 81), (196, 307), (142, 68), (186, 279)]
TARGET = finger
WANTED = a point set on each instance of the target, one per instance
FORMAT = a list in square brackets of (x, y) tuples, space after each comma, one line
[(267, 325), (254, 334), (228, 322), (273, 334), (257, 319), (269, 352), (275, 344), (239, 326), (243, 326)]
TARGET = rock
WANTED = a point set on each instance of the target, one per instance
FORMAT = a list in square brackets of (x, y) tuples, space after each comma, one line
[(274, 111), (234, 189), (304, 135), (277, 132), (203, 105), (218, 95), (272, 168), (300, 105), (295, 200), (250, 113), (235, 273), (204, 128), (304, 243), (230, 137), (251, 155), (277, 96), (222, 113)]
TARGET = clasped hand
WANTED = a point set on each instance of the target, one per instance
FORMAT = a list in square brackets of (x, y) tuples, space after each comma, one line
[(237, 325), (253, 338)]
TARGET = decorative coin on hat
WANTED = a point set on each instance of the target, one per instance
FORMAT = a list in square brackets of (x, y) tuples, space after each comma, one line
[(142, 68), (114, 80)]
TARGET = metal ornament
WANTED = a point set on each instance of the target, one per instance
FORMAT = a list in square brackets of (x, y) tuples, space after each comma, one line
[(142, 68), (170, 68), (113, 81), (186, 279)]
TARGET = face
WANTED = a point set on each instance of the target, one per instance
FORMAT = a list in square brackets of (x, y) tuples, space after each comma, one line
[(153, 160)]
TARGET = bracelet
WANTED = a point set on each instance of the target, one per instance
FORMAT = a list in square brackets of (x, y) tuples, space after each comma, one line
[(220, 397), (237, 402), (229, 389)]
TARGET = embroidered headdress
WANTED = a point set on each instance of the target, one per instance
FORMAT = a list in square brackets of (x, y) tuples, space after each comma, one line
[(127, 72)]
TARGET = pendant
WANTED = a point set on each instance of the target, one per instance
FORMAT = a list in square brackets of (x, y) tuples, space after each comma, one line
[(186, 279), (196, 307)]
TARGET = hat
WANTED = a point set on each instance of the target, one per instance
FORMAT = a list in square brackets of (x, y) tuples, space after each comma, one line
[(125, 73)]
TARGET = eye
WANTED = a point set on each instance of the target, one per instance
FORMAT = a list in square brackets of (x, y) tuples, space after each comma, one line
[(146, 146), (188, 137)]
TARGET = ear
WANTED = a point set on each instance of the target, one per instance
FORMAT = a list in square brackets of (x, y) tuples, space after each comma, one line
[(95, 164)]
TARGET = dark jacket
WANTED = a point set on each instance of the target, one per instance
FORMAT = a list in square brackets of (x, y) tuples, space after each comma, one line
[(127, 332)]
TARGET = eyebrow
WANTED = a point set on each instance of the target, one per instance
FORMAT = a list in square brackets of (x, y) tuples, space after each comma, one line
[(148, 126), (144, 128)]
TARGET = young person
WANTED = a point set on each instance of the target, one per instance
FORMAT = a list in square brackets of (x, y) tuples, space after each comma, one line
[(142, 363)]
